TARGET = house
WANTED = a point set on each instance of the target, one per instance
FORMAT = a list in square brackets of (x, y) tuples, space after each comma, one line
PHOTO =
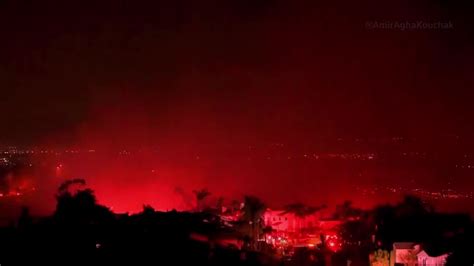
[(405, 253), (424, 259), (289, 229), (279, 220), (409, 253), (289, 222)]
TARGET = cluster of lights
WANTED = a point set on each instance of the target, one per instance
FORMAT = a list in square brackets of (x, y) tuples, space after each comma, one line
[(11, 194), (332, 242), (17, 193), (278, 241)]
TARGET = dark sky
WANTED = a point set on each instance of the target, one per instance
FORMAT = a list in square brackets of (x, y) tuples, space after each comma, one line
[(231, 71)]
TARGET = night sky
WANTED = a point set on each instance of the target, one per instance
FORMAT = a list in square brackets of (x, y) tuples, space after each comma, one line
[(231, 71)]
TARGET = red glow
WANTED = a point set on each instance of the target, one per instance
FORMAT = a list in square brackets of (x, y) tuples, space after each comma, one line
[(333, 243)]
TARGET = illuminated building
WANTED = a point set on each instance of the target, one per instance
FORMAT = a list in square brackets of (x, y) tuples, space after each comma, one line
[(292, 230)]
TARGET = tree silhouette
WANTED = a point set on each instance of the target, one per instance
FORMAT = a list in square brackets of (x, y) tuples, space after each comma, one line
[(346, 211), (64, 187), (201, 196), (220, 204), (413, 206), (409, 219), (252, 214), (79, 207), (148, 209), (25, 219)]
